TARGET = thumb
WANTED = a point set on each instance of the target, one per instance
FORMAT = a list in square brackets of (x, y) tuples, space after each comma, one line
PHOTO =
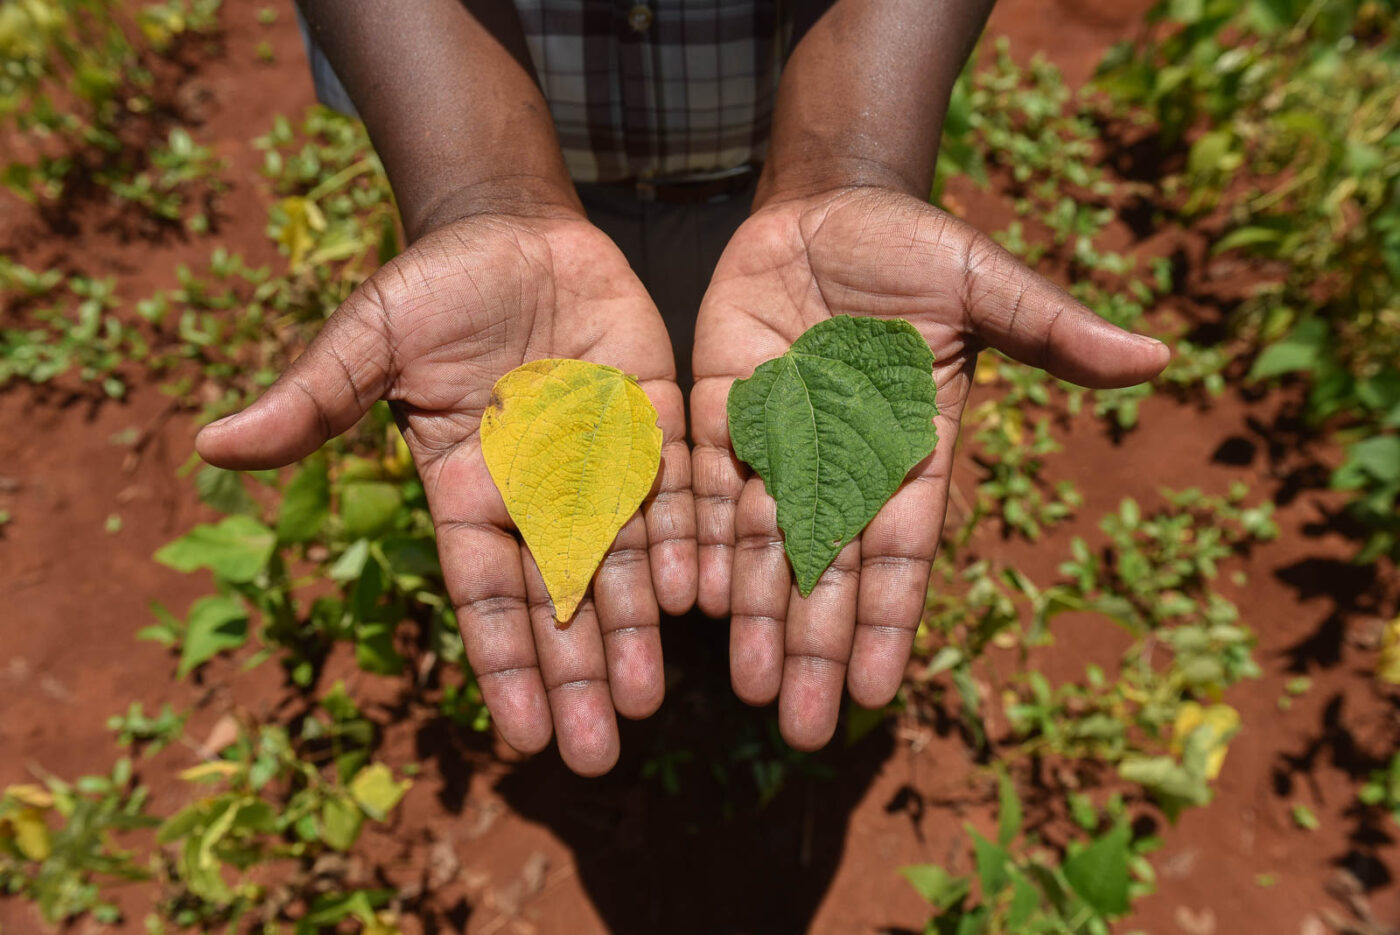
[(324, 392), (1026, 316)]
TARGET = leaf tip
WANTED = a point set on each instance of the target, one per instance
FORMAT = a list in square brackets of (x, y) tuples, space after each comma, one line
[(564, 612)]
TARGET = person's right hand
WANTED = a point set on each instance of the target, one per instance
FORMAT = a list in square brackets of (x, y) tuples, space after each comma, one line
[(432, 331)]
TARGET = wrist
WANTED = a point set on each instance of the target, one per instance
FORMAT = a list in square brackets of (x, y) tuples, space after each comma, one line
[(813, 176), (523, 195)]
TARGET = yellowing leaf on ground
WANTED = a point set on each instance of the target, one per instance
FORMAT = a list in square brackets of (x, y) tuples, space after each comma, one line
[(1205, 732), (304, 221), (31, 833), (215, 769), (29, 794), (1388, 665), (574, 449)]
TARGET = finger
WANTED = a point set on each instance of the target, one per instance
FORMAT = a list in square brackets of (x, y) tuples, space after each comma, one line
[(481, 567), (762, 583), (324, 392), (629, 620), (820, 630), (718, 478), (897, 551), (574, 666), (1033, 320), (670, 511), (896, 557)]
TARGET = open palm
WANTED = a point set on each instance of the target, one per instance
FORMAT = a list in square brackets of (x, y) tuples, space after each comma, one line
[(432, 331), (878, 253)]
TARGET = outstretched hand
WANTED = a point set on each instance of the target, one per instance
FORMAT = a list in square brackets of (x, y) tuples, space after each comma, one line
[(432, 331), (873, 252)]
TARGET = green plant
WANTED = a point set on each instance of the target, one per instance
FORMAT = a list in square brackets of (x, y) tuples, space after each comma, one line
[(163, 187), (227, 329), (280, 800), (377, 546), (1026, 885), (1302, 158), (1157, 568), (1158, 720), (76, 77), (88, 336), (1304, 818), (1382, 789), (154, 733), (56, 841), (1012, 463), (1024, 124)]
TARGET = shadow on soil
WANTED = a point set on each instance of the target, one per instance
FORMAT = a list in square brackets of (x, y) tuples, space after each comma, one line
[(709, 824), (1336, 743), (1351, 589)]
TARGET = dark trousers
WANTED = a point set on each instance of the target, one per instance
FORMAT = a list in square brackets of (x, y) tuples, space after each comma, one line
[(673, 249)]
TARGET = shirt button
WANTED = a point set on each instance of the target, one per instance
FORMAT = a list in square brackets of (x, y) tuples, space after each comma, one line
[(639, 17)]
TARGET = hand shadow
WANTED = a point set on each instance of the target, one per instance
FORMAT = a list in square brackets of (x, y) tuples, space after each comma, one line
[(709, 823)]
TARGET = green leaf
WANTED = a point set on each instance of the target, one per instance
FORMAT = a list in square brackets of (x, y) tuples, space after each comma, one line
[(167, 631), (410, 559), (341, 819), (1082, 810), (376, 792), (1377, 457), (224, 490), (1214, 152), (1025, 898), (330, 908), (992, 862), (1099, 873), (1173, 785), (368, 507), (1301, 350), (351, 564), (183, 822), (937, 886), (374, 649), (215, 624), (1247, 237), (1008, 810), (832, 427), (306, 503), (236, 549)]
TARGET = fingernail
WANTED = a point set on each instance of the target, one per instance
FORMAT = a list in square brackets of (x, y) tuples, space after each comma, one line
[(1147, 341)]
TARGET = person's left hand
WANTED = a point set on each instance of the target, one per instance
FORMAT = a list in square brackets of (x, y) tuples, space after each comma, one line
[(874, 252)]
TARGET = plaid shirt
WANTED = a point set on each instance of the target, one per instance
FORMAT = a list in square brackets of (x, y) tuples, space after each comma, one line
[(662, 89), (657, 90)]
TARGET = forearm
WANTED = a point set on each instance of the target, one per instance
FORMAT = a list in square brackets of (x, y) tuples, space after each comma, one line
[(454, 113), (864, 93)]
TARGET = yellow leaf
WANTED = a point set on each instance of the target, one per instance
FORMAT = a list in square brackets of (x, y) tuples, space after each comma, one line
[(574, 448), (31, 833), (385, 923), (303, 218), (1014, 423), (215, 769), (30, 794), (987, 370), (1218, 724), (1388, 665)]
